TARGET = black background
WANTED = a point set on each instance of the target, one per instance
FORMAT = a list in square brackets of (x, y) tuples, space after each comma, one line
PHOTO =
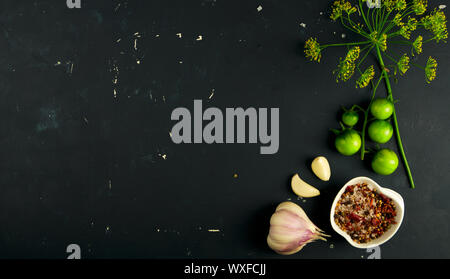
[(82, 164)]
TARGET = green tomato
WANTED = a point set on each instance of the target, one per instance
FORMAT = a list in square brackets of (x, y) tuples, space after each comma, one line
[(380, 131), (348, 142), (382, 108), (350, 118), (385, 162)]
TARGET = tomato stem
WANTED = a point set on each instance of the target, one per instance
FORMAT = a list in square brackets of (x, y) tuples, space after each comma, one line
[(394, 116)]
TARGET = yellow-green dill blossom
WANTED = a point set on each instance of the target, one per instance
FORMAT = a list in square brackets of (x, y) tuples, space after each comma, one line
[(353, 54), (398, 20), (346, 67), (419, 6), (312, 50), (366, 77), (382, 42), (405, 32), (373, 36), (341, 6), (403, 64), (391, 5), (430, 69), (406, 29), (412, 24), (400, 5), (436, 23), (417, 45)]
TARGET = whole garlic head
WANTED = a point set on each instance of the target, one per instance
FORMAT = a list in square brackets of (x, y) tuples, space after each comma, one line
[(291, 229)]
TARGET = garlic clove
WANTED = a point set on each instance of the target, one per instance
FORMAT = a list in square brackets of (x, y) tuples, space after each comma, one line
[(321, 168), (303, 189)]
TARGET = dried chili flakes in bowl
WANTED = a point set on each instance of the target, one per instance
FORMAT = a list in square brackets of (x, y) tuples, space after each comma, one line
[(363, 213)]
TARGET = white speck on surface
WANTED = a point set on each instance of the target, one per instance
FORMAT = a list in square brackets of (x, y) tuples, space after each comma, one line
[(109, 184), (213, 230), (199, 38), (259, 8), (118, 40), (180, 62), (441, 7), (343, 36), (179, 35), (331, 246), (135, 44), (138, 62), (157, 36), (115, 93), (58, 63), (321, 13), (303, 25), (212, 94)]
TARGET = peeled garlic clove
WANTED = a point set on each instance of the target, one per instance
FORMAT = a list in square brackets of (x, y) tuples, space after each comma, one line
[(290, 229), (321, 168), (303, 189)]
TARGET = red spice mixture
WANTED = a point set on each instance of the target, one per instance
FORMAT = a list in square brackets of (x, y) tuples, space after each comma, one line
[(363, 213)]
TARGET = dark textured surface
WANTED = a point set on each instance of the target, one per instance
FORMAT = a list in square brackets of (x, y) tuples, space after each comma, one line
[(82, 164)]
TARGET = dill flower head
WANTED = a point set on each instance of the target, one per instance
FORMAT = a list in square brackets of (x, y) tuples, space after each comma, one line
[(312, 50), (403, 64), (419, 6), (436, 23), (412, 24), (382, 42), (430, 69), (365, 78), (341, 6), (417, 45), (400, 5), (346, 67), (398, 20), (353, 54), (391, 5), (405, 32)]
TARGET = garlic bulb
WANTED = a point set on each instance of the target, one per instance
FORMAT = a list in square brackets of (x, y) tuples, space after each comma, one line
[(291, 229)]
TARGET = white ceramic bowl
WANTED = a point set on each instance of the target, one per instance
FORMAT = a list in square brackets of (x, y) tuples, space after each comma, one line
[(399, 206)]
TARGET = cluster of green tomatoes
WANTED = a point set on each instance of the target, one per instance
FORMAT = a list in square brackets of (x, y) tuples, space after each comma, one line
[(348, 140)]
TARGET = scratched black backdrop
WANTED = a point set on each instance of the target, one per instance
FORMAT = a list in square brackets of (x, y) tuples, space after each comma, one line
[(86, 156)]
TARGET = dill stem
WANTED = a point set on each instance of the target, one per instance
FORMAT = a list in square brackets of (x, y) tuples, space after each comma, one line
[(394, 116)]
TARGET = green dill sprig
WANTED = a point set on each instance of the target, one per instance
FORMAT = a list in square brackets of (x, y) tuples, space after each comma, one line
[(391, 26)]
